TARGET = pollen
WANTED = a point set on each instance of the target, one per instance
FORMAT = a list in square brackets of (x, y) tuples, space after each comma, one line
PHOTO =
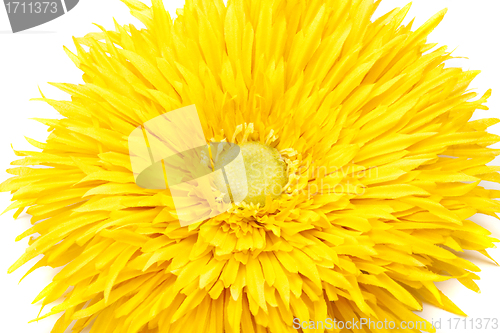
[(265, 173)]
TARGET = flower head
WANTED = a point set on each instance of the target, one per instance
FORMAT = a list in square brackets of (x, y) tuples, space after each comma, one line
[(380, 171)]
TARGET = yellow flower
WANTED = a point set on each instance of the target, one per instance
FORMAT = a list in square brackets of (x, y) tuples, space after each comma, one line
[(382, 171)]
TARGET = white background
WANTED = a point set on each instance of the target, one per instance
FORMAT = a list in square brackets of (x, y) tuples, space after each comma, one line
[(30, 59)]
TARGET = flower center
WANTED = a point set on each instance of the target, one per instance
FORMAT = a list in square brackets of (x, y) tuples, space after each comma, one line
[(265, 171)]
